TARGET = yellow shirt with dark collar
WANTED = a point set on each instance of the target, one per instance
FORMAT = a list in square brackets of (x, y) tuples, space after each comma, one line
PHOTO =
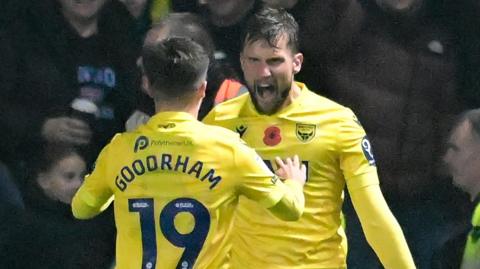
[(330, 141), (176, 183)]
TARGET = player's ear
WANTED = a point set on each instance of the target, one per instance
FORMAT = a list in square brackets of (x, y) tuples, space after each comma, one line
[(297, 62), (202, 89), (146, 86)]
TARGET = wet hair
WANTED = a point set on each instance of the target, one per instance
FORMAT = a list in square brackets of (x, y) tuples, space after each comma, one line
[(188, 25), (271, 24), (175, 67)]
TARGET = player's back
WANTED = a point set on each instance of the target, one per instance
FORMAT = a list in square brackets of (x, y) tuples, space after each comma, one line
[(175, 191)]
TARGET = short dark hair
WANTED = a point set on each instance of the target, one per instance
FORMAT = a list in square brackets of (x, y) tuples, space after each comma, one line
[(270, 24), (174, 66), (189, 25)]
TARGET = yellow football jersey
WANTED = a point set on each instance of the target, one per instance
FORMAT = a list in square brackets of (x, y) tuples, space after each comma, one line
[(471, 255), (175, 182), (331, 142)]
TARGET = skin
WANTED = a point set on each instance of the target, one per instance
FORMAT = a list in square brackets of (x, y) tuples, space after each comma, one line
[(273, 69), (135, 7), (82, 14), (463, 159), (62, 180)]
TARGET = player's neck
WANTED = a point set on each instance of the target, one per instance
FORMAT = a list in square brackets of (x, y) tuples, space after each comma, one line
[(293, 94), (169, 107)]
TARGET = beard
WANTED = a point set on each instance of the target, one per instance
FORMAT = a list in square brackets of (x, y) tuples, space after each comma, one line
[(268, 98)]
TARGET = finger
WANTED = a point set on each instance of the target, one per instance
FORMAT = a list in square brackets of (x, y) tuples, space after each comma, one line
[(296, 161), (78, 132), (77, 124), (64, 135), (289, 162), (304, 169), (279, 162), (76, 141), (77, 136)]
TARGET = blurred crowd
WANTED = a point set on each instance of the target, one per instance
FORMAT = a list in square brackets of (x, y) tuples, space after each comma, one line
[(70, 80)]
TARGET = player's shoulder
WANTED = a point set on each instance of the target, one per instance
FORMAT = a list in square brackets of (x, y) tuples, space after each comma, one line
[(320, 102), (220, 134), (229, 109), (123, 140), (316, 106)]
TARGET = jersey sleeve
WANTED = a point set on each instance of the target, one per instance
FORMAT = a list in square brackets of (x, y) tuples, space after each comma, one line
[(356, 154), (94, 195), (257, 182), (381, 229)]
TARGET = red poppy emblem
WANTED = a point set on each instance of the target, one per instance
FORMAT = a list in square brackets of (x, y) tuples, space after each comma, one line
[(272, 136)]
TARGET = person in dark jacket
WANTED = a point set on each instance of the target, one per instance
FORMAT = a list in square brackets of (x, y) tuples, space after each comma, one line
[(45, 235), (56, 51)]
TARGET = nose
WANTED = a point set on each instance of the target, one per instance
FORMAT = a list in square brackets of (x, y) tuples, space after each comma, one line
[(264, 70)]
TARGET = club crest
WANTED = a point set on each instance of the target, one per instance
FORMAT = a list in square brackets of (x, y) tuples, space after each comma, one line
[(305, 132)]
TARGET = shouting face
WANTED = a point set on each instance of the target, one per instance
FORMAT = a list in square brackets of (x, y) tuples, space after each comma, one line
[(269, 73)]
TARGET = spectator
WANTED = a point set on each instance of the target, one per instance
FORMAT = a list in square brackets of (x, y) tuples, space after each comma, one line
[(226, 19), (394, 63), (147, 11), (326, 136), (463, 160), (223, 82), (47, 236), (58, 51)]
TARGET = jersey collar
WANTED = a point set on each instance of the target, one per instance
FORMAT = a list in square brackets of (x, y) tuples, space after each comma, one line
[(170, 116)]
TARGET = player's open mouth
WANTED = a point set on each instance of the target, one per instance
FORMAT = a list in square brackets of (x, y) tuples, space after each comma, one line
[(265, 91)]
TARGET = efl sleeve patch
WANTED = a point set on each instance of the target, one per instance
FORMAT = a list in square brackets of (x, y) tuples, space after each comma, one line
[(367, 150)]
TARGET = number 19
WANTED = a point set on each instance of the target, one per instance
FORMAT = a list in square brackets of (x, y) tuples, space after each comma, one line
[(192, 242)]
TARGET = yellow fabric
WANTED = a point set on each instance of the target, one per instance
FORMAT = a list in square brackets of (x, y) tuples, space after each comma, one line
[(175, 157), (471, 255), (381, 228), (160, 8), (329, 138)]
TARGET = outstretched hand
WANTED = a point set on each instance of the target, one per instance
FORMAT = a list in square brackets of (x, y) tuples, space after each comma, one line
[(66, 130)]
